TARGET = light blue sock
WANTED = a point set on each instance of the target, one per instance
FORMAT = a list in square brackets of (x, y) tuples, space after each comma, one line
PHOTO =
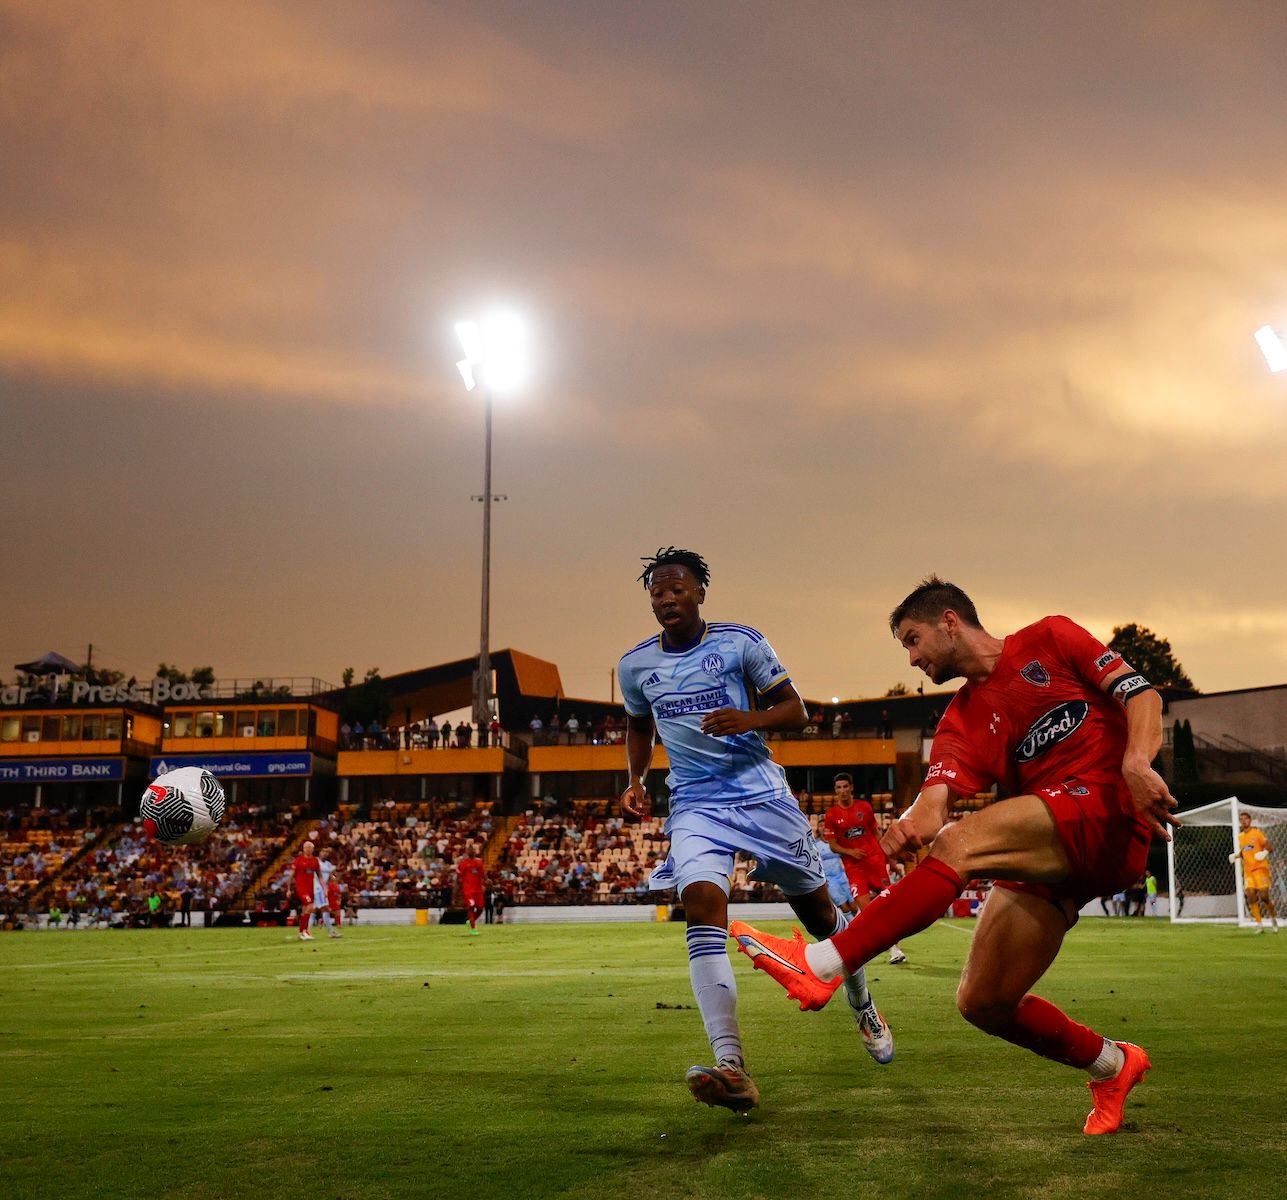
[(715, 989), (855, 984)]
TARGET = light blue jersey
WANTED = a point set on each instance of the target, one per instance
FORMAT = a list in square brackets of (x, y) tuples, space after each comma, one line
[(727, 666)]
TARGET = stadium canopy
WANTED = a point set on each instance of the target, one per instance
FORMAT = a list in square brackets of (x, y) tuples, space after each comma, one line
[(49, 663)]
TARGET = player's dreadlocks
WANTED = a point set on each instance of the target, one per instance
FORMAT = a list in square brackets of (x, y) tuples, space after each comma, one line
[(672, 557)]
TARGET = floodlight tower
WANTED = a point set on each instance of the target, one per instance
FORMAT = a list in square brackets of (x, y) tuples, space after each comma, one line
[(495, 362), (1271, 346)]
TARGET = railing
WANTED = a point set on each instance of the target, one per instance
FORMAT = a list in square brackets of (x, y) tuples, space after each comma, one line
[(1235, 755), (252, 690)]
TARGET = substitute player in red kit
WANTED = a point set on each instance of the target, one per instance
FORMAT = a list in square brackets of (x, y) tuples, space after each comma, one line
[(1067, 727), (472, 875), (306, 867), (334, 905), (850, 829)]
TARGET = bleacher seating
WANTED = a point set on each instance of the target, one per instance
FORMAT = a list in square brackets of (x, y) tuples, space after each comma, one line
[(112, 882), (400, 855)]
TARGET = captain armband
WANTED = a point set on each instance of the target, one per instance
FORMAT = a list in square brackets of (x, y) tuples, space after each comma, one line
[(1130, 685)]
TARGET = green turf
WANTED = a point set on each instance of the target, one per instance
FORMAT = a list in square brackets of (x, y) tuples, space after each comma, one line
[(543, 1061)]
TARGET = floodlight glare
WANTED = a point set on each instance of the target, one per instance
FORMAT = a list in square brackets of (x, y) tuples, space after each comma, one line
[(1271, 346), (496, 352)]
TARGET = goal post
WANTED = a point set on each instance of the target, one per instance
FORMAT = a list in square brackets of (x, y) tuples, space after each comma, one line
[(1205, 886)]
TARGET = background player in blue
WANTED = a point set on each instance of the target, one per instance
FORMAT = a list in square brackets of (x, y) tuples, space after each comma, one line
[(708, 690)]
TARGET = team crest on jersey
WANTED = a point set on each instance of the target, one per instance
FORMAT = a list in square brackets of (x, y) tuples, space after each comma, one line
[(1035, 673), (1051, 728), (713, 664)]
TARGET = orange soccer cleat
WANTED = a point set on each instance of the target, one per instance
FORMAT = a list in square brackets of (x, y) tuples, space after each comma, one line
[(783, 959), (1109, 1095)]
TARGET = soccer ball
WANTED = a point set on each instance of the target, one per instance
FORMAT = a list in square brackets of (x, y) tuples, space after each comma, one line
[(182, 806)]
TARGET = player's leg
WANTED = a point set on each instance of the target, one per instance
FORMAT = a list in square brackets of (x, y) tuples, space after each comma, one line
[(1253, 906), (305, 911), (1018, 936), (863, 897), (819, 914), (1261, 904), (1013, 839), (715, 988)]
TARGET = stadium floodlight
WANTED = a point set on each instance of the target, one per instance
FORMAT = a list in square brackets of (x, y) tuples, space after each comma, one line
[(496, 352), (496, 358), (1271, 346)]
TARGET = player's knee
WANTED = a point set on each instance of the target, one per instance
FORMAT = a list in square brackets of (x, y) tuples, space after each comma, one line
[(949, 846), (984, 1009)]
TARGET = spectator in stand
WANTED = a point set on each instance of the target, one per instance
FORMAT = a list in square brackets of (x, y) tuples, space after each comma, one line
[(536, 727), (835, 724), (573, 728), (185, 906), (464, 734), (886, 725), (359, 736), (431, 732), (495, 728), (346, 736), (556, 728)]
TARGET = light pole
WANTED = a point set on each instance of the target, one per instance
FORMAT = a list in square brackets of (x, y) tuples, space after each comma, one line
[(494, 361)]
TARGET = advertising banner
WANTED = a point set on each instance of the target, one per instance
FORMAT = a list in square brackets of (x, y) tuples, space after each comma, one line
[(238, 766), (60, 770)]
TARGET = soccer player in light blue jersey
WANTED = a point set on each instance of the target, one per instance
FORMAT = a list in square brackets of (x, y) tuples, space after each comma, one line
[(710, 691)]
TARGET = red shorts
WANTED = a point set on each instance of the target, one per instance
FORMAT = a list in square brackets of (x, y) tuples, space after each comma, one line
[(304, 893), (867, 876), (1104, 837), (473, 899)]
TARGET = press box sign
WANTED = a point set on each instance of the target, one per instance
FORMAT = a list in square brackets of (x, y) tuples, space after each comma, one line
[(159, 691)]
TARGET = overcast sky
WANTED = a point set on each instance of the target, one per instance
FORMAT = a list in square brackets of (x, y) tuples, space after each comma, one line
[(837, 294)]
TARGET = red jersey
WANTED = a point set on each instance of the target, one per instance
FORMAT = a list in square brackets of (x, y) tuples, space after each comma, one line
[(306, 867), (853, 827), (471, 872), (1039, 720), (332, 894)]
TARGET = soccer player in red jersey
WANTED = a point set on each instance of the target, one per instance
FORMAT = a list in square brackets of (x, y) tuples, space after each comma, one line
[(472, 874), (1069, 729), (306, 867), (334, 905), (850, 828)]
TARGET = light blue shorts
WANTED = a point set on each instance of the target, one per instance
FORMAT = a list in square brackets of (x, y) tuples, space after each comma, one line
[(703, 842)]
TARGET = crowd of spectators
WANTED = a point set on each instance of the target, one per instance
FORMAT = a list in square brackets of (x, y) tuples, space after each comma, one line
[(400, 856), (131, 880), (420, 735), (579, 858)]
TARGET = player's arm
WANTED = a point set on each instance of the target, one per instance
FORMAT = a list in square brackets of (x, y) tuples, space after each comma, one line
[(843, 851), (641, 737), (919, 825), (783, 709), (1153, 799)]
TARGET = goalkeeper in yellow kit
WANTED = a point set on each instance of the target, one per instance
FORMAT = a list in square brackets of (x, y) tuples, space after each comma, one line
[(1254, 849)]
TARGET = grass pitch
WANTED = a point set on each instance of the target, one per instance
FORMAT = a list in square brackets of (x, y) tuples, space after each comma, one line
[(540, 1061)]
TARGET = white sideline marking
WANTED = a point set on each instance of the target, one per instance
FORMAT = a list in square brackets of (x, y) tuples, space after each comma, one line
[(954, 928)]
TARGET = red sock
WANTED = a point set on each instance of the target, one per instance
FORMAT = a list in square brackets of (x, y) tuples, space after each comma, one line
[(303, 922), (472, 919), (1037, 1025), (912, 904)]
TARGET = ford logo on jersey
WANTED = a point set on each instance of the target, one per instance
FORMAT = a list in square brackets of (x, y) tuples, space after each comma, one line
[(1060, 723)]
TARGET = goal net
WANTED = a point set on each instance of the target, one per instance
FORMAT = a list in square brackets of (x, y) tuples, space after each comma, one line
[(1205, 885)]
